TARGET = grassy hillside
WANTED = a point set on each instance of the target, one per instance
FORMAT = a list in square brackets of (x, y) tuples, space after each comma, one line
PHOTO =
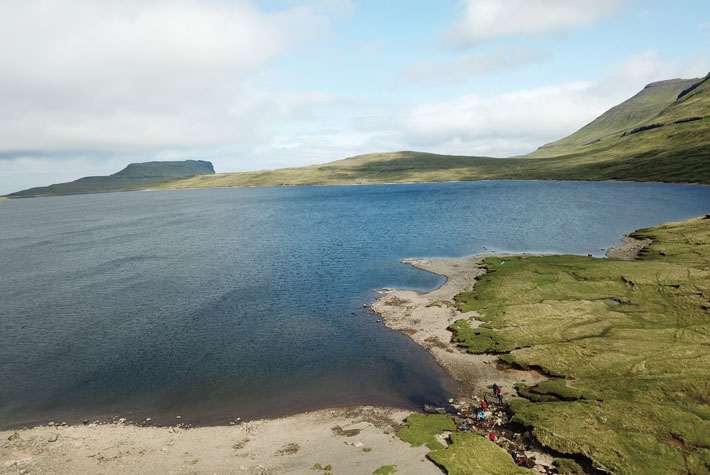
[(660, 134), (629, 114), (616, 146), (627, 342), (135, 175)]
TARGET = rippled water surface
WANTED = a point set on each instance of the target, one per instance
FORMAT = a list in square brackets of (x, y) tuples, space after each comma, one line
[(216, 304)]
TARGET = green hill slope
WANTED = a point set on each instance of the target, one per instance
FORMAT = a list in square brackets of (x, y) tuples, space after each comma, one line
[(672, 145), (134, 175), (660, 134), (629, 114)]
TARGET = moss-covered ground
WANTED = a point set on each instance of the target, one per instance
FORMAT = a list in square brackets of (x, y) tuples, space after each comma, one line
[(627, 342), (422, 429), (468, 453), (471, 453)]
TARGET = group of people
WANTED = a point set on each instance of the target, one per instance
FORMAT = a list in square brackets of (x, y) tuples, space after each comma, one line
[(481, 416)]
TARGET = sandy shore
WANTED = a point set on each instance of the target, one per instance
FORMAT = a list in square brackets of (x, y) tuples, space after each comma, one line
[(350, 440), (356, 440), (425, 317)]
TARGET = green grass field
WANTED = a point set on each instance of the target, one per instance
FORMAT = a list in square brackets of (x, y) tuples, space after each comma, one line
[(627, 343)]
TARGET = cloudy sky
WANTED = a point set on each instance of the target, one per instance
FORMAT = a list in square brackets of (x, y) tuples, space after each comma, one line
[(88, 86)]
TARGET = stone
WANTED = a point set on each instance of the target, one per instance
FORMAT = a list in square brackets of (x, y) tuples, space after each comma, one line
[(358, 444), (14, 436), (122, 420), (53, 437)]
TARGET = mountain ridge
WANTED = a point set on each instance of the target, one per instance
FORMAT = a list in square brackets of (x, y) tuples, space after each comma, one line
[(662, 134), (132, 176)]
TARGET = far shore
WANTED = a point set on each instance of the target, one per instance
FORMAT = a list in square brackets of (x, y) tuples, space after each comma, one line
[(338, 440)]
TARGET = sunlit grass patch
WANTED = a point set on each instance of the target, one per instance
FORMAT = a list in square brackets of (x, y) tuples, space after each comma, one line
[(470, 453), (423, 428)]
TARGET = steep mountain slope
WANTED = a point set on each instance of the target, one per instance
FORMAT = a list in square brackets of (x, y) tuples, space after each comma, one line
[(649, 102), (672, 145), (133, 176)]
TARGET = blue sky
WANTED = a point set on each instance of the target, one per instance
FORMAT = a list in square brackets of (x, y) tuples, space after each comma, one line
[(88, 87)]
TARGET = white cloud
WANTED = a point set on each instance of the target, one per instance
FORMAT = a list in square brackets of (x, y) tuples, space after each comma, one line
[(460, 69), (517, 122), (649, 66), (505, 124), (129, 75), (485, 19)]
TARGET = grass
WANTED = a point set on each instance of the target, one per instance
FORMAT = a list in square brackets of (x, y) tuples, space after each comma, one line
[(568, 466), (423, 428), (318, 466), (639, 109), (628, 343), (470, 453), (385, 470)]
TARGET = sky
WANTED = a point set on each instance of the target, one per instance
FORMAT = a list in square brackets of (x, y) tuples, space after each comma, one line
[(88, 86)]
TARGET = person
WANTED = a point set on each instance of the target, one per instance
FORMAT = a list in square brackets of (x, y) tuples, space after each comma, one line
[(495, 388), (485, 398), (463, 426), (492, 436), (484, 405), (481, 415), (500, 398), (514, 453)]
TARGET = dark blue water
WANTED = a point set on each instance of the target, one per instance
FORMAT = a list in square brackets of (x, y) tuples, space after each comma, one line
[(216, 304)]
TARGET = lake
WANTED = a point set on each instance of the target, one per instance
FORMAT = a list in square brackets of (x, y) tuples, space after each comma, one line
[(224, 303)]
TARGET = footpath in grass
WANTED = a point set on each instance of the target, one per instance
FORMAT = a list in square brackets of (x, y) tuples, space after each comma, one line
[(626, 342)]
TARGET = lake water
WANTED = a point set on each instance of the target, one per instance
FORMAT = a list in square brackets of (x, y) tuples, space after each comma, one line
[(225, 303)]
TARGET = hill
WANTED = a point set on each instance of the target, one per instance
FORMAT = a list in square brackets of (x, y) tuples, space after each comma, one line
[(629, 114), (135, 175), (672, 145), (660, 134)]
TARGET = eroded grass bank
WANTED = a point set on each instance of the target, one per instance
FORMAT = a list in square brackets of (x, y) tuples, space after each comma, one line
[(627, 342)]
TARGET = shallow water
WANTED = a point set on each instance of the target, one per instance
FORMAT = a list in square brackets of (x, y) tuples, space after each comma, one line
[(225, 303)]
